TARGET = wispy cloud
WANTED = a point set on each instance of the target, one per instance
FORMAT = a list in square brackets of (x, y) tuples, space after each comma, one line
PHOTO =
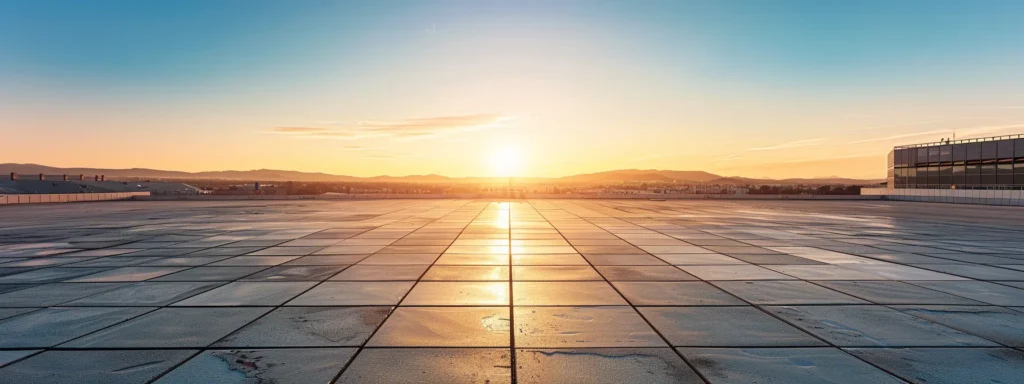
[(832, 158), (962, 133), (903, 136), (663, 155), (379, 157), (727, 159), (299, 130), (871, 128), (790, 144), (403, 129), (359, 148)]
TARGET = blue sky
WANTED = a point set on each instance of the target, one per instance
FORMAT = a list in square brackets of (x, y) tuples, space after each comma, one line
[(751, 88)]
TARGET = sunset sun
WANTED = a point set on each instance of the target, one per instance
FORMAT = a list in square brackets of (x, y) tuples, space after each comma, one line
[(506, 162)]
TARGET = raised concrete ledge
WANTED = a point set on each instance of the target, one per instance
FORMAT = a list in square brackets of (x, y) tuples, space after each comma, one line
[(603, 196), (46, 198), (950, 196)]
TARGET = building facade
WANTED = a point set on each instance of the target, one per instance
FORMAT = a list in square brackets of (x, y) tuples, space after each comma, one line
[(987, 163)]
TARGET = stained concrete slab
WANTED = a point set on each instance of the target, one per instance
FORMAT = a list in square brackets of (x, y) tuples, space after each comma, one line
[(602, 365), (309, 327), (75, 367), (783, 365), (245, 366), (948, 365), (430, 365)]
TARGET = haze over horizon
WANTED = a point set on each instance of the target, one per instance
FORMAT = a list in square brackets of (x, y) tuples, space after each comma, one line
[(784, 89)]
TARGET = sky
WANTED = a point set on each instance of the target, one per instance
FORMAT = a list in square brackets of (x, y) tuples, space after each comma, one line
[(549, 88)]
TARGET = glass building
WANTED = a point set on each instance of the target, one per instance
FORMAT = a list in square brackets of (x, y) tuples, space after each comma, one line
[(988, 163)]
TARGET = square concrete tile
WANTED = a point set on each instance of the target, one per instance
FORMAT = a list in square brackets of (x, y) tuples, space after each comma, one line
[(400, 259), (127, 274), (254, 261), (279, 366), (473, 293), (565, 293), (211, 274), (947, 365), (998, 324), (444, 327), (783, 365), (724, 326), (623, 259), (466, 273), (700, 259), (145, 294), (575, 327), (53, 294), (982, 291), (733, 272), (549, 259), (870, 325), (296, 273), (674, 293), (895, 292), (380, 272), (823, 272), (171, 328), (473, 259), (644, 273), (327, 260), (602, 365), (309, 327), (430, 365), (75, 367), (354, 293), (46, 275), (555, 273), (248, 293), (785, 292), (51, 326)]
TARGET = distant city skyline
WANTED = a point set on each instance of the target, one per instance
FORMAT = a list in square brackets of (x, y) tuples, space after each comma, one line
[(781, 89)]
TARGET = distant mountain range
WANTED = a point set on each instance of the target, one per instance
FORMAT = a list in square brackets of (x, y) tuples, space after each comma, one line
[(625, 175)]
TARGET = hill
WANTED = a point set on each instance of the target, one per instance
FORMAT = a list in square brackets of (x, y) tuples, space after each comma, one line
[(616, 176)]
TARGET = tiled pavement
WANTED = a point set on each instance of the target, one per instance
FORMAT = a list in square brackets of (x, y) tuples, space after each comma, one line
[(537, 291)]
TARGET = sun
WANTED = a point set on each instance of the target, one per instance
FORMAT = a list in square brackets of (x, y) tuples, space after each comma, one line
[(506, 162)]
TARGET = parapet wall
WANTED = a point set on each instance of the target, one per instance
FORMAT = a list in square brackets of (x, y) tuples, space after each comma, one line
[(41, 198), (951, 196), (374, 196)]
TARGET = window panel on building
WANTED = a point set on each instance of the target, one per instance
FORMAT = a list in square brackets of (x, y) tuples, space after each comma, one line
[(989, 150), (946, 153), (959, 175), (989, 174), (1005, 171), (933, 154), (1018, 170), (960, 152), (1004, 149), (973, 175), (922, 156), (973, 151), (1018, 148), (945, 175)]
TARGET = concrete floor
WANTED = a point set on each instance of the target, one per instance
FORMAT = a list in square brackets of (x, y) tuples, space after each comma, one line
[(539, 291)]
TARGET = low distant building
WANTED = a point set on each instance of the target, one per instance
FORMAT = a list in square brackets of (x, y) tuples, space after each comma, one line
[(62, 184), (986, 163)]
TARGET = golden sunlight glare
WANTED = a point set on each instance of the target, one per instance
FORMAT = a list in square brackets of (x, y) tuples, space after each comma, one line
[(506, 162)]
